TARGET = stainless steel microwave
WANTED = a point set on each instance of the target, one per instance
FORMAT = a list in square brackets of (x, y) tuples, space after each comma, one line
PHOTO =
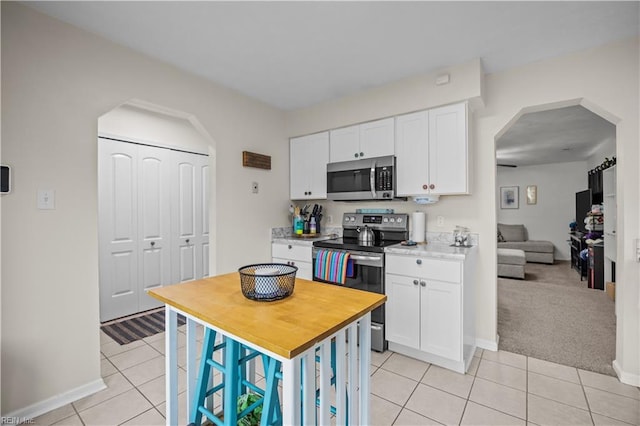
[(364, 179)]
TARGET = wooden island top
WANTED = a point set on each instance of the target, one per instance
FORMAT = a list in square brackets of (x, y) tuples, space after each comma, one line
[(285, 327)]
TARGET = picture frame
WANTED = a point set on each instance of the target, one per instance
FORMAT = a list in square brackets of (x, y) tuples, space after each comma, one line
[(509, 197), (532, 194)]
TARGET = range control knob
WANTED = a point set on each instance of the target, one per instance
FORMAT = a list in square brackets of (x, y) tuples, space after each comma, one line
[(399, 220), (385, 220)]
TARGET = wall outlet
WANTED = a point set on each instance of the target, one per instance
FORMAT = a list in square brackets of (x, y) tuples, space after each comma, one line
[(440, 221), (46, 199), (254, 187)]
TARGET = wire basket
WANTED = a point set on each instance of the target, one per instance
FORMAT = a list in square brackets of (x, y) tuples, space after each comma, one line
[(266, 282)]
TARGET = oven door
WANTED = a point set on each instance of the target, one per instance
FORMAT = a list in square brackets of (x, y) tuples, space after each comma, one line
[(368, 275)]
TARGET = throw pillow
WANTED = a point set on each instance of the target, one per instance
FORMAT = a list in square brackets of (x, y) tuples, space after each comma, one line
[(512, 232), (500, 237)]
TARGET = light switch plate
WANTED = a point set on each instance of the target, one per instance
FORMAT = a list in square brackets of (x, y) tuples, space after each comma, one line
[(46, 199)]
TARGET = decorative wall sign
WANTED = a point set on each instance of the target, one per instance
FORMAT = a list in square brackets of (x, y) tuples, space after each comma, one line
[(509, 197), (532, 194), (259, 161)]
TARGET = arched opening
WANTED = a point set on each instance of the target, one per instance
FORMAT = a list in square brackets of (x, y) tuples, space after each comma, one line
[(155, 204), (546, 308)]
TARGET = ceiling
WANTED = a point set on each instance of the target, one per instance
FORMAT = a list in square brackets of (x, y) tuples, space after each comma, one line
[(555, 136), (294, 54)]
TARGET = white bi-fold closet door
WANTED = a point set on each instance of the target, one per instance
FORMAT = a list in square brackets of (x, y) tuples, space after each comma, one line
[(153, 223)]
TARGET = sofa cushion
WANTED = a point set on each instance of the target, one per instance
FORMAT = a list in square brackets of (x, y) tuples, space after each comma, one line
[(529, 246), (512, 232), (511, 257)]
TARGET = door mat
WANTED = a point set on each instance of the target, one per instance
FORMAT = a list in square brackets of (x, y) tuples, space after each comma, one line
[(130, 329)]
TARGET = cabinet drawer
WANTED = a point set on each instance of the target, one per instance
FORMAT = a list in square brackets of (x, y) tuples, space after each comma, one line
[(291, 252), (305, 269), (425, 267)]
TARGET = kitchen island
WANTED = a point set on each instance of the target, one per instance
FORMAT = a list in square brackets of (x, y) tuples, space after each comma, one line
[(292, 331)]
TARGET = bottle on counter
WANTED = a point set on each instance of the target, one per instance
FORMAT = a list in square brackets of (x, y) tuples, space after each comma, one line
[(312, 225)]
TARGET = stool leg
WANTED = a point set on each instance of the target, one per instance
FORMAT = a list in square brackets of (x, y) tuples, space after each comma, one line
[(232, 352), (271, 405), (203, 377)]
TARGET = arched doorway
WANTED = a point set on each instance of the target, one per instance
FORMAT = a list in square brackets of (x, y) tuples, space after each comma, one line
[(550, 314), (154, 185)]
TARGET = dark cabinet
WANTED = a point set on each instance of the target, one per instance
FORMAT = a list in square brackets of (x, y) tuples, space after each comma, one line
[(577, 245), (595, 271)]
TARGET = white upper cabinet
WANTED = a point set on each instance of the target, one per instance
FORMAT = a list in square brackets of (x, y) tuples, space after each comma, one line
[(448, 150), (412, 153), (344, 144), (308, 160), (432, 152), (367, 140)]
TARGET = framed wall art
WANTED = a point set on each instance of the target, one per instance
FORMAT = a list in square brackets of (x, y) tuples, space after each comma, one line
[(532, 194), (509, 197)]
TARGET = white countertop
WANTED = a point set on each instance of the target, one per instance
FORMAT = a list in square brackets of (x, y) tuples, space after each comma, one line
[(436, 250), (302, 241)]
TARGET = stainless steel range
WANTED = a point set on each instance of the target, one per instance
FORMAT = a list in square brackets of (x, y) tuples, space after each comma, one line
[(367, 253)]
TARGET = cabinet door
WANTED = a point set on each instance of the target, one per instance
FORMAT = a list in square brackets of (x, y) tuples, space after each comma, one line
[(344, 144), (318, 159), (190, 241), (412, 153), (441, 321), (402, 310), (448, 153), (118, 216), (298, 172), (376, 138), (308, 158), (154, 222)]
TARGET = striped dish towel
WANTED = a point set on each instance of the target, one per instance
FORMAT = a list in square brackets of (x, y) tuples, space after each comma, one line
[(332, 266)]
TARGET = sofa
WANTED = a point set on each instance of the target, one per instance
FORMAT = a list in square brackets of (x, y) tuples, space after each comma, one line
[(515, 237)]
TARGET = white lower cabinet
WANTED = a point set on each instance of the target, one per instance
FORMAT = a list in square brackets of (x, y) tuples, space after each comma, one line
[(295, 255), (428, 315)]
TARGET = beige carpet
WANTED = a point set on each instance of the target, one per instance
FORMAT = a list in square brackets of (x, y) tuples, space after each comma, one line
[(553, 316)]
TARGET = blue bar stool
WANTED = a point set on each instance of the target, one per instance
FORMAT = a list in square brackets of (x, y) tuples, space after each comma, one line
[(235, 383)]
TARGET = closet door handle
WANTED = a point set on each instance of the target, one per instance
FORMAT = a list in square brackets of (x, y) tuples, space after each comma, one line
[(153, 243), (187, 241)]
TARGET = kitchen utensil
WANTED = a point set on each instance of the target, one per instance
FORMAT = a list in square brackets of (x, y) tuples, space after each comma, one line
[(366, 236)]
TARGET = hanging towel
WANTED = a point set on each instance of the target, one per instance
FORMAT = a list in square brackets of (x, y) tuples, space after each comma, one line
[(333, 266)]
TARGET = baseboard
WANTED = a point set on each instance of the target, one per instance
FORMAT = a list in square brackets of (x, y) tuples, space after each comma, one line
[(39, 408), (626, 378), (488, 344)]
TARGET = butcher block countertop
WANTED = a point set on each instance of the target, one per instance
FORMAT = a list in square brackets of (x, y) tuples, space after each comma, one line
[(285, 327)]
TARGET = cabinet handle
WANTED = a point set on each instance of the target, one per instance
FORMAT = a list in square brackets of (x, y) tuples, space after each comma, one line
[(293, 263), (423, 284), (415, 282), (187, 241), (362, 154), (153, 243), (419, 261), (425, 186), (432, 186), (290, 247), (355, 155)]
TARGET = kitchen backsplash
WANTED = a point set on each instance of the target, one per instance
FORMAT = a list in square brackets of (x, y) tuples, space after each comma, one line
[(287, 232), (447, 238)]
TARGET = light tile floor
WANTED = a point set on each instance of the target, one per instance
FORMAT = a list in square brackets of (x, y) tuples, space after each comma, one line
[(501, 388)]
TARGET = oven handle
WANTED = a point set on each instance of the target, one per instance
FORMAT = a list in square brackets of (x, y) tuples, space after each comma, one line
[(371, 258)]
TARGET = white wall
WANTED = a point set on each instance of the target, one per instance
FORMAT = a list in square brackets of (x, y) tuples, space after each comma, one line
[(605, 78), (606, 150), (143, 125), (57, 80), (549, 218)]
